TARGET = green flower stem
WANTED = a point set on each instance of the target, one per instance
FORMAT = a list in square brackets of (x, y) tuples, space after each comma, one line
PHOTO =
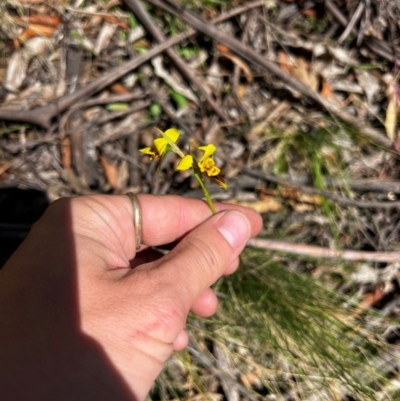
[(205, 191)]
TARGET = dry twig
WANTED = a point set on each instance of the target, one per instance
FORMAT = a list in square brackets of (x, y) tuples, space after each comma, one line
[(309, 190), (321, 252)]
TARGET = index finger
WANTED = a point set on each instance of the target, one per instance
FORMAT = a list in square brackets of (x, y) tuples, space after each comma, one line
[(168, 218)]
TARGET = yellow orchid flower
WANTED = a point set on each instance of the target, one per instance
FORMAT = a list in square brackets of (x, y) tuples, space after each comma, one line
[(160, 144), (207, 163)]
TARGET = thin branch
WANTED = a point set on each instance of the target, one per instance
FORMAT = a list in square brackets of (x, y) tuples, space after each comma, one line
[(250, 55), (362, 185), (309, 190), (125, 97), (354, 19), (321, 252)]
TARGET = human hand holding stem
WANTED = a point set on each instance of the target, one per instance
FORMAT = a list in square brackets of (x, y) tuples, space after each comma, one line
[(205, 165), (116, 314)]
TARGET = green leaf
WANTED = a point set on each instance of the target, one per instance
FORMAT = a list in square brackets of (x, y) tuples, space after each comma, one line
[(155, 110), (179, 99), (117, 106), (132, 21), (140, 49), (187, 51), (13, 128)]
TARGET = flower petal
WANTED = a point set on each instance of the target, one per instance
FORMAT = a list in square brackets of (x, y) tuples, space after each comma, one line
[(172, 134), (186, 163), (160, 144), (213, 171), (147, 151), (208, 151)]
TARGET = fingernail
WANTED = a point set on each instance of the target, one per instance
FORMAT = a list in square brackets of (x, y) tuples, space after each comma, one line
[(235, 228)]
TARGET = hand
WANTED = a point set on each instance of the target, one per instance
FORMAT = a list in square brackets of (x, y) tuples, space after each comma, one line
[(85, 317)]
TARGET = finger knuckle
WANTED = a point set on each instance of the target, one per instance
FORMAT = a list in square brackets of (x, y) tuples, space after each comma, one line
[(206, 254)]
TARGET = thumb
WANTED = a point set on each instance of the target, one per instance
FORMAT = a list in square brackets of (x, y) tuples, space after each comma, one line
[(204, 255)]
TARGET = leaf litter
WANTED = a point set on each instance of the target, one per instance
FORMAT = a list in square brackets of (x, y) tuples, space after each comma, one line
[(346, 144)]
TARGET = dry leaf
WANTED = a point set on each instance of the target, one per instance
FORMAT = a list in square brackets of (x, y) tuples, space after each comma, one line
[(371, 297), (326, 90), (241, 91), (16, 71), (119, 89), (66, 152), (104, 37), (251, 380), (35, 95), (123, 176), (301, 197), (342, 55), (5, 165), (136, 34), (172, 81), (19, 61), (112, 19), (369, 83), (299, 68), (242, 65), (391, 119), (110, 170), (267, 204), (284, 61), (291, 193), (309, 12), (48, 20), (34, 30), (391, 115), (347, 86), (301, 207), (214, 77), (223, 48), (303, 72)]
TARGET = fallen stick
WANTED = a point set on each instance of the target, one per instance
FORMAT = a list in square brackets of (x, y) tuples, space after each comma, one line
[(326, 253), (316, 191), (362, 184), (250, 55)]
